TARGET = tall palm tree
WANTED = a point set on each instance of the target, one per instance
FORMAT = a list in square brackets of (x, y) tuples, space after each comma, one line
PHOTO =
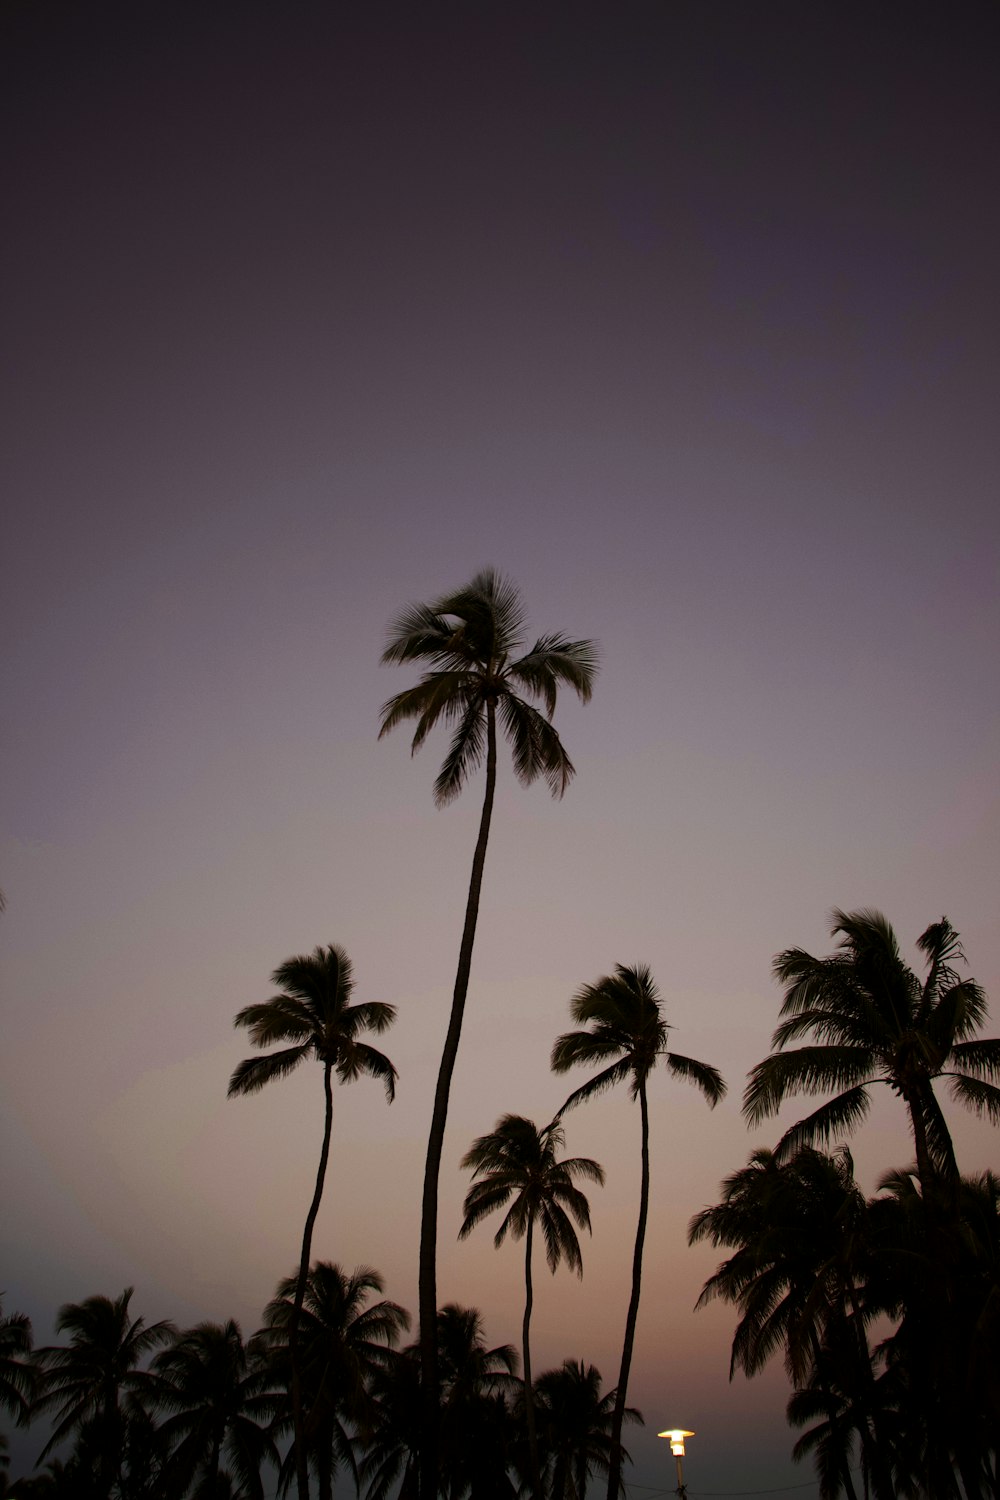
[(627, 1034), (873, 1021), (517, 1160), (576, 1424), (314, 1013), (344, 1340), (95, 1381), (470, 641), (217, 1392)]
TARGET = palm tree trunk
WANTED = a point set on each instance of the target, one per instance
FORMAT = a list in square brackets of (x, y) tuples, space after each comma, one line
[(618, 1416), (529, 1394), (301, 1457), (435, 1140), (836, 1426)]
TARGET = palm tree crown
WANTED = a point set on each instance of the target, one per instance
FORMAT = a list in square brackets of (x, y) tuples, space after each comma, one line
[(216, 1389), (517, 1160), (91, 1379), (875, 1022), (314, 1013), (471, 639), (627, 1038)]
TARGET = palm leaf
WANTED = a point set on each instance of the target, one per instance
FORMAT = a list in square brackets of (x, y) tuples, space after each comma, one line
[(704, 1077), (255, 1073), (840, 1114)]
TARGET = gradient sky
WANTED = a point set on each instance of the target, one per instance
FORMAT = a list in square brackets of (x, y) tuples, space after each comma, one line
[(683, 315)]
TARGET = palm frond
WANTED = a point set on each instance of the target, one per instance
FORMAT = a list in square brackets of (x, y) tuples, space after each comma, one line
[(807, 1070), (704, 1077), (619, 1072), (438, 695), (465, 754), (359, 1060), (254, 1073), (843, 1113), (982, 1097), (980, 1058), (555, 659), (282, 1019), (536, 747)]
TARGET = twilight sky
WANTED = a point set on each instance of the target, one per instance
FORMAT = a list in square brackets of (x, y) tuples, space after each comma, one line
[(682, 315)]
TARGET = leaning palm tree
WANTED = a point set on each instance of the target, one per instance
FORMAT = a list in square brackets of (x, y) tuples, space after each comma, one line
[(470, 641), (314, 1013), (216, 1390), (873, 1021), (628, 1035), (95, 1382), (345, 1340), (517, 1160)]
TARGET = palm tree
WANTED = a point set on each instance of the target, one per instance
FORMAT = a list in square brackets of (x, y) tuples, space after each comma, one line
[(874, 1022), (470, 641), (576, 1422), (217, 1392), (314, 1013), (517, 1160), (344, 1340), (799, 1230), (476, 1385), (628, 1035), (95, 1381), (16, 1370)]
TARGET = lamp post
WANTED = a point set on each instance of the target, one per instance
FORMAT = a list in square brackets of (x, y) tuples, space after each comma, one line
[(676, 1436)]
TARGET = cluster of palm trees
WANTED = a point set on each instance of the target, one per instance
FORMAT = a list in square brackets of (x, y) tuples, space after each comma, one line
[(887, 1309), (153, 1413), (323, 1388)]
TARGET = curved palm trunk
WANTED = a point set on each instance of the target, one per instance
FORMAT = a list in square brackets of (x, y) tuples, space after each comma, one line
[(529, 1394), (618, 1416), (435, 1141), (301, 1457)]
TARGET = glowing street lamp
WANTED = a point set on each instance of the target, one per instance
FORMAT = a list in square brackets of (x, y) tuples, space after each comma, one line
[(676, 1436)]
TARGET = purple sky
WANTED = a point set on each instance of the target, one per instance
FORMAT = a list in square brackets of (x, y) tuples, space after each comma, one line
[(685, 317)]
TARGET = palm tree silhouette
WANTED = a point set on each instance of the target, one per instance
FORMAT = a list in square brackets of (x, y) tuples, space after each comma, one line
[(576, 1422), (17, 1373), (874, 1022), (800, 1234), (314, 1013), (344, 1340), (217, 1391), (517, 1160), (627, 1033), (470, 640), (95, 1381)]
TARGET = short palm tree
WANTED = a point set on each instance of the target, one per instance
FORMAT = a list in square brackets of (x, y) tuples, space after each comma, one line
[(471, 642), (345, 1339), (95, 1381), (16, 1369), (873, 1021), (217, 1393), (575, 1419), (626, 1036), (517, 1160), (314, 1013)]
